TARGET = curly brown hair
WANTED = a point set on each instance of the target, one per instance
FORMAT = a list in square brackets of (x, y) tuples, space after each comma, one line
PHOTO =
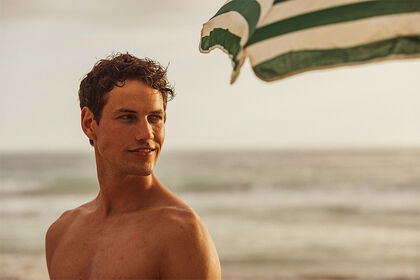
[(113, 72)]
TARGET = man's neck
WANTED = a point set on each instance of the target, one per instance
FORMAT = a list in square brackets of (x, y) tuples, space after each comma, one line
[(122, 193)]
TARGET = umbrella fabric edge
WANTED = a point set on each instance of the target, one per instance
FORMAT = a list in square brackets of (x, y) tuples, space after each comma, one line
[(350, 64), (293, 63)]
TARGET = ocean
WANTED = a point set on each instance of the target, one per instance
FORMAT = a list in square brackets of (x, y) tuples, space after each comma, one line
[(280, 214)]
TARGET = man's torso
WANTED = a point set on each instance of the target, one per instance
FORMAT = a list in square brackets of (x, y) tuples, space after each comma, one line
[(123, 247)]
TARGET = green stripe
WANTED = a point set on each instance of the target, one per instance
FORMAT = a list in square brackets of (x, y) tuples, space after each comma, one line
[(230, 42), (279, 1), (249, 9), (295, 62), (334, 15)]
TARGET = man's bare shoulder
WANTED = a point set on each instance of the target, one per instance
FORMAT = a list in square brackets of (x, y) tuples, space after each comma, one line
[(175, 215), (58, 228), (189, 251), (67, 218), (178, 221)]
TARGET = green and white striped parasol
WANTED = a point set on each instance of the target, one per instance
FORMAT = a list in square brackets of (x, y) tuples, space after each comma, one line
[(287, 37)]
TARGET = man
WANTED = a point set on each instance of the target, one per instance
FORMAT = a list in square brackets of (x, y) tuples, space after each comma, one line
[(135, 228)]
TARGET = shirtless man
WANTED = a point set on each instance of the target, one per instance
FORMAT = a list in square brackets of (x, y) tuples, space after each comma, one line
[(135, 228)]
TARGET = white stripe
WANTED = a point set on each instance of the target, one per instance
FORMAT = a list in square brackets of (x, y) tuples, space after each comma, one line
[(342, 35), (265, 6), (233, 21), (289, 9)]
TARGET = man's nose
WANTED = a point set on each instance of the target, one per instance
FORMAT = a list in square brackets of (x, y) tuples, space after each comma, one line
[(144, 130)]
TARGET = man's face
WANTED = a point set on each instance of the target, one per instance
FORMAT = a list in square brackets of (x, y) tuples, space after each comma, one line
[(131, 130)]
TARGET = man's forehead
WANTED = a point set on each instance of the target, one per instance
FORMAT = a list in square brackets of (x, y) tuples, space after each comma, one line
[(134, 96), (154, 102), (129, 110)]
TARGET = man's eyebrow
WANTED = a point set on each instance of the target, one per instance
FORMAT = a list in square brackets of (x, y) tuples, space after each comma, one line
[(158, 112), (123, 110)]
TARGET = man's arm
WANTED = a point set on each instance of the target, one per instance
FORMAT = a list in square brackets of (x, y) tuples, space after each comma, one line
[(52, 237), (49, 246), (189, 252)]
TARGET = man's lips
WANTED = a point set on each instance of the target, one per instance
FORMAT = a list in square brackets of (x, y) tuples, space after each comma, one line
[(143, 151)]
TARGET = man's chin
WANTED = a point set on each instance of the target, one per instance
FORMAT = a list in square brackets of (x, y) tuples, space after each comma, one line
[(140, 171)]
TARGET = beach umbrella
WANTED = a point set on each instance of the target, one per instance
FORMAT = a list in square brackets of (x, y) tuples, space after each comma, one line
[(286, 37)]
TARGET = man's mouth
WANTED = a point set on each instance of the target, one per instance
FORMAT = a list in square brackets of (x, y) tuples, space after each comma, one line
[(143, 151)]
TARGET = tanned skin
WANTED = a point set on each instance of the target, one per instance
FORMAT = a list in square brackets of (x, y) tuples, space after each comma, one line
[(135, 228)]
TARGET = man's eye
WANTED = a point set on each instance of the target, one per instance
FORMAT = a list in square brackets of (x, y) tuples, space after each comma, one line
[(155, 118), (127, 117)]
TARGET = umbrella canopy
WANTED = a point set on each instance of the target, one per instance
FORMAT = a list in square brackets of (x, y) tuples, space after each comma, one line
[(287, 37)]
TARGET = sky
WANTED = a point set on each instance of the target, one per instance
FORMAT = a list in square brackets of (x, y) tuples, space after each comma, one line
[(46, 48)]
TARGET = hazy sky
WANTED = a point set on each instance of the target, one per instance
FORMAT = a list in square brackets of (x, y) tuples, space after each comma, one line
[(46, 47)]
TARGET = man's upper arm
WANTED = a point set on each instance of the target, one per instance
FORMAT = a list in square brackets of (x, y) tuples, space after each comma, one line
[(52, 237), (49, 244), (190, 252)]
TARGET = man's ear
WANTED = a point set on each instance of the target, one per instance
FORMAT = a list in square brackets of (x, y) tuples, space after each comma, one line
[(88, 123)]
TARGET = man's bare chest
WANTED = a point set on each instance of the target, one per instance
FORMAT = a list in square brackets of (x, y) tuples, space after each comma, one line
[(117, 252)]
